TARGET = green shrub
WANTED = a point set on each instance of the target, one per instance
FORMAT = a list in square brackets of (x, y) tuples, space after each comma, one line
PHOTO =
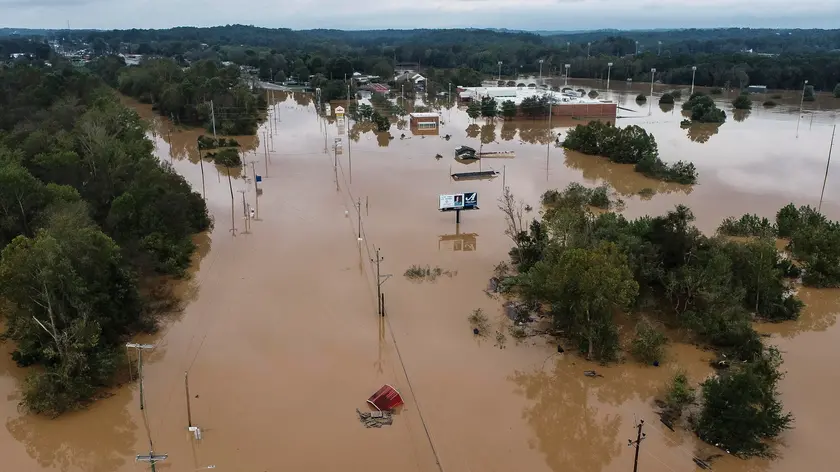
[(716, 91), (742, 102), (679, 393), (747, 225), (666, 99), (649, 344), (641, 98), (769, 103), (837, 91), (741, 409)]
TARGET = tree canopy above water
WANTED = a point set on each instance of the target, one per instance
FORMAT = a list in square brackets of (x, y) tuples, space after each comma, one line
[(86, 210)]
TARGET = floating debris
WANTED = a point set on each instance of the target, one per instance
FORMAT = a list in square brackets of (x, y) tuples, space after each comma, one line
[(591, 373), (375, 419)]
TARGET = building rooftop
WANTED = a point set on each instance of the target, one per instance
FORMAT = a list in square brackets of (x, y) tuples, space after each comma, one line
[(518, 94), (424, 115)]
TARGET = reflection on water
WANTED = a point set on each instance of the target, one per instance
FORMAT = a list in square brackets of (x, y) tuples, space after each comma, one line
[(458, 241), (621, 177), (67, 445), (702, 132), (570, 431), (740, 115), (488, 133), (473, 130)]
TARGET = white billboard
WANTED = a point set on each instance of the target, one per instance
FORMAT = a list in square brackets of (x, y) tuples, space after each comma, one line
[(452, 202)]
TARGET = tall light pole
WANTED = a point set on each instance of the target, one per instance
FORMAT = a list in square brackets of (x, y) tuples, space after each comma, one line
[(637, 48), (801, 103), (588, 48), (567, 73), (693, 72), (609, 69), (659, 52), (541, 63), (652, 74), (500, 70)]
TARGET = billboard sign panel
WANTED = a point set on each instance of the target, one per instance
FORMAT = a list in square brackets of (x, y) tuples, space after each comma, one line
[(459, 201)]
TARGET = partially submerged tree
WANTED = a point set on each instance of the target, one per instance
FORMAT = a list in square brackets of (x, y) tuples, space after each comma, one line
[(740, 407)]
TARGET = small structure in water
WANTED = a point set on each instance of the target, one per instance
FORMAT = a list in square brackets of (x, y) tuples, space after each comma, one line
[(386, 398), (478, 175)]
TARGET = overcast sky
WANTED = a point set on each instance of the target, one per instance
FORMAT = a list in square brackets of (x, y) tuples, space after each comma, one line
[(381, 14)]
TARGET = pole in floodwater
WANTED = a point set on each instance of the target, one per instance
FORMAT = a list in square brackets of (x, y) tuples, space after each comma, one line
[(256, 190), (827, 163), (359, 212), (140, 348), (232, 205), (639, 437), (201, 164), (187, 389)]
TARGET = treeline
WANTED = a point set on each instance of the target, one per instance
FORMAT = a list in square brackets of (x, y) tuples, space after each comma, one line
[(184, 94), (87, 213), (585, 270), (717, 54)]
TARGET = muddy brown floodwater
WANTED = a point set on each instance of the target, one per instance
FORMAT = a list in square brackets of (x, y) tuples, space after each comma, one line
[(282, 341)]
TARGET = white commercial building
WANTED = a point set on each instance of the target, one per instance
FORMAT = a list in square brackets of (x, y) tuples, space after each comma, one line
[(518, 94)]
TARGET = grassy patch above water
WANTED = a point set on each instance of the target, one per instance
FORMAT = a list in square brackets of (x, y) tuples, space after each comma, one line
[(427, 273)]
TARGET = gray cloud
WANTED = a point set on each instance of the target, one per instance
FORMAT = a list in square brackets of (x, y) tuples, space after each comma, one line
[(370, 14)]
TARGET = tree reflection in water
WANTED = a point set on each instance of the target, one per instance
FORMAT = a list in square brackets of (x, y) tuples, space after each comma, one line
[(383, 138), (741, 115), (488, 133), (473, 130), (508, 131), (569, 429), (77, 441), (702, 132), (621, 177)]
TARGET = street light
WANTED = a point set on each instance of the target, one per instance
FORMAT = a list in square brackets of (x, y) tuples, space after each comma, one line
[(541, 63), (693, 72), (500, 70), (659, 53), (652, 74), (609, 68), (801, 103), (637, 47), (588, 48), (567, 73)]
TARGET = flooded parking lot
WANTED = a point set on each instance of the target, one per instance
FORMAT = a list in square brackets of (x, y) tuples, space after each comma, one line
[(282, 341)]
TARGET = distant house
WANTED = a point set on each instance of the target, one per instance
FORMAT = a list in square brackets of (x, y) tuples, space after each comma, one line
[(757, 89)]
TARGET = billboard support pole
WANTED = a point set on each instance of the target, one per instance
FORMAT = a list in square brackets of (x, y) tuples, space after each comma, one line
[(457, 217)]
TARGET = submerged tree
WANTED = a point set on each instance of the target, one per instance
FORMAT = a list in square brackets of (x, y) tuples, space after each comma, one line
[(741, 409), (586, 288)]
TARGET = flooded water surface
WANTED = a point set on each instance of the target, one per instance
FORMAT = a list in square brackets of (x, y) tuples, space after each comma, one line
[(282, 340)]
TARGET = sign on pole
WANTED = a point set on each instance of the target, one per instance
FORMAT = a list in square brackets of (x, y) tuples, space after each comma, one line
[(459, 201)]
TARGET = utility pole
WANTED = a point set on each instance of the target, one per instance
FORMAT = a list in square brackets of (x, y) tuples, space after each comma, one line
[(265, 144), (639, 437), (359, 212), (801, 103), (245, 211), (256, 189), (187, 389), (232, 217), (380, 279), (201, 164), (828, 162), (213, 118), (140, 348)]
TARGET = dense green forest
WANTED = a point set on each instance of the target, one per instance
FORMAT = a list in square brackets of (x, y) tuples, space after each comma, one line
[(585, 271), (185, 94), (88, 215), (720, 55)]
